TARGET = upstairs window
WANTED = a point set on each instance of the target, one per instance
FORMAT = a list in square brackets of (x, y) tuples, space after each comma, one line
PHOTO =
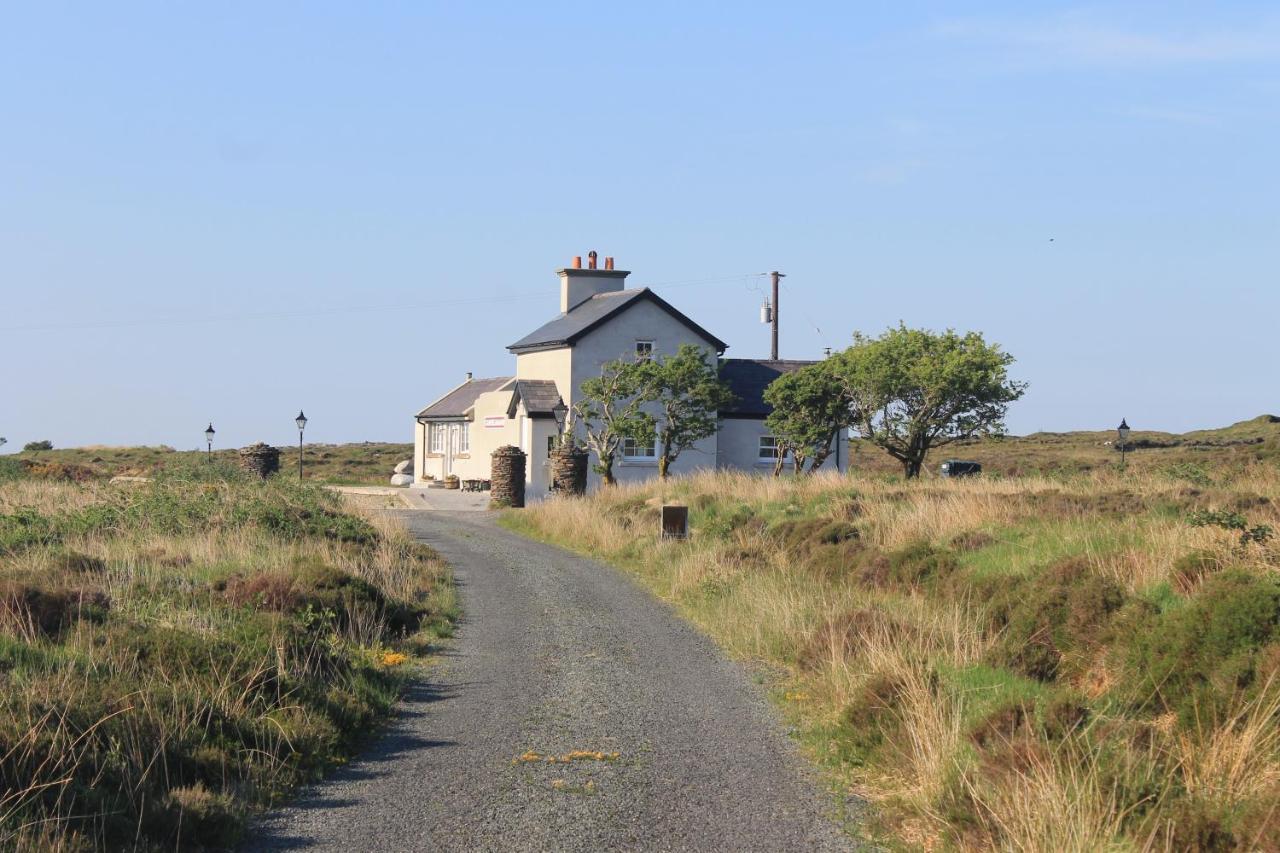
[(644, 350), (632, 449)]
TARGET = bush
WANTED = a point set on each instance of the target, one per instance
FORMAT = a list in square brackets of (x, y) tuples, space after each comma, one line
[(36, 446), (1066, 608), (1202, 659)]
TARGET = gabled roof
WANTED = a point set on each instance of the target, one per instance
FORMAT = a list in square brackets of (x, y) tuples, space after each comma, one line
[(539, 395), (567, 328), (747, 378), (459, 401)]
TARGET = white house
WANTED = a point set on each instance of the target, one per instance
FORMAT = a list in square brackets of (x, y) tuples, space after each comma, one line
[(600, 320)]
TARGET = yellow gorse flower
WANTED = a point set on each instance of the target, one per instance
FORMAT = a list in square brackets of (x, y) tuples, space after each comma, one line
[(393, 658)]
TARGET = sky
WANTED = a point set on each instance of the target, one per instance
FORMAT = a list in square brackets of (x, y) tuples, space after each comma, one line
[(229, 212)]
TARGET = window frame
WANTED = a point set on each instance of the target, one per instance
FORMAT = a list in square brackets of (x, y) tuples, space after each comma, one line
[(652, 446), (645, 354), (761, 447), (435, 438), (464, 437)]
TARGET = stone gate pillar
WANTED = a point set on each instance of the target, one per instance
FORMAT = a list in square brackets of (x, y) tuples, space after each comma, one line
[(506, 476), (569, 470), (261, 459)]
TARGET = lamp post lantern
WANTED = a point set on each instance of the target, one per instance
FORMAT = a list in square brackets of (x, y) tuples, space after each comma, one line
[(208, 439), (1122, 432), (561, 413), (301, 421)]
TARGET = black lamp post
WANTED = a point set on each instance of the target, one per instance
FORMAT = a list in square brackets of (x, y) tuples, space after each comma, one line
[(208, 439), (561, 413), (301, 421), (1123, 432)]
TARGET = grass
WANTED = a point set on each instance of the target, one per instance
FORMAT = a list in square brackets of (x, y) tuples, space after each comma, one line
[(1041, 662), (365, 463), (177, 654)]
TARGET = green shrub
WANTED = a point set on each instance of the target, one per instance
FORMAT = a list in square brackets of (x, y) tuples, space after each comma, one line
[(1065, 608), (1201, 659), (919, 563)]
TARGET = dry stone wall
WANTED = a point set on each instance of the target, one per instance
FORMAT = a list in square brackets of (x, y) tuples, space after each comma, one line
[(507, 476)]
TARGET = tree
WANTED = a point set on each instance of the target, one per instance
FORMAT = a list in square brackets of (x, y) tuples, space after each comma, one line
[(912, 390), (610, 410), (810, 409), (33, 446), (689, 393)]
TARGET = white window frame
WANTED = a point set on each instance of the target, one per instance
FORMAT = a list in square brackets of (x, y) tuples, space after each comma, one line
[(629, 454), (464, 438), (437, 437), (644, 350), (767, 450)]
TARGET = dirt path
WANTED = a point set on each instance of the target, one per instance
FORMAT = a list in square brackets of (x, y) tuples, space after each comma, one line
[(556, 654)]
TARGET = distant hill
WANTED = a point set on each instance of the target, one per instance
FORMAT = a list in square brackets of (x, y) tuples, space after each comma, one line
[(361, 463), (1248, 441)]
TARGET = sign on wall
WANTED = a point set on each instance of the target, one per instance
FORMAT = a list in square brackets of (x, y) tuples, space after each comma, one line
[(495, 422)]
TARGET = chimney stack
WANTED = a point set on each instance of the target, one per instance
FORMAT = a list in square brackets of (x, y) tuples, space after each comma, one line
[(577, 285)]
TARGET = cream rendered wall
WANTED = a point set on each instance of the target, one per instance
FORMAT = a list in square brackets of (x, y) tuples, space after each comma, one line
[(617, 339), (553, 364)]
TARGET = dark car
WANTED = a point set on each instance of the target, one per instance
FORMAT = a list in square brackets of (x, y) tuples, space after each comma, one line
[(960, 468)]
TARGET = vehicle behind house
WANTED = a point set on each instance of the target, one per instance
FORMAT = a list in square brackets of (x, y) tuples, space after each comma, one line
[(960, 468)]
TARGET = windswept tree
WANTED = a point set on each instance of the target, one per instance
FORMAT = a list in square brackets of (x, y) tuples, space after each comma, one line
[(810, 409), (610, 409), (912, 390), (689, 394)]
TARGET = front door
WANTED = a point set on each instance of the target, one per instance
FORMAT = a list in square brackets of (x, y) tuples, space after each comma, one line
[(450, 448)]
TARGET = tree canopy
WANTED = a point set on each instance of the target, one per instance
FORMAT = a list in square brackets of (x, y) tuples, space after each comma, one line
[(911, 390), (609, 407), (810, 408), (689, 394)]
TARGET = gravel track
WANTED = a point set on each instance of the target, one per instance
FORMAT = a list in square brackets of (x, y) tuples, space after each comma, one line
[(558, 653)]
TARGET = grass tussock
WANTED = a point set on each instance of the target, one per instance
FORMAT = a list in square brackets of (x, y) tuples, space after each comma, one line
[(177, 654), (1081, 662)]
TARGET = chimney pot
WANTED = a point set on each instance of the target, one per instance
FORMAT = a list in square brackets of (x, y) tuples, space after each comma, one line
[(468, 375), (591, 259), (608, 263), (577, 262)]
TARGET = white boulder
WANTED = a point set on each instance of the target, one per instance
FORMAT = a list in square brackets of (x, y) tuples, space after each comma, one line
[(405, 467), (402, 479)]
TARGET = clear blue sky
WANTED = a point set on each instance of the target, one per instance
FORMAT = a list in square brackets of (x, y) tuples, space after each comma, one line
[(235, 210)]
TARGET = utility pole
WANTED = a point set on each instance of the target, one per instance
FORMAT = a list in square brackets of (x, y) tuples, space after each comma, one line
[(773, 350)]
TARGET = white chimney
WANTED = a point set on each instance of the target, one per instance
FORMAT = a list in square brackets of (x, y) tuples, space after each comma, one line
[(578, 285)]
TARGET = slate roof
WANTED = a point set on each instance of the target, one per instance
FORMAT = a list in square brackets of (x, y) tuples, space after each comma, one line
[(539, 395), (747, 378), (567, 328), (456, 403)]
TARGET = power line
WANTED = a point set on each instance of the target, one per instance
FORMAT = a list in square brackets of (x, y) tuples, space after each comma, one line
[(190, 320)]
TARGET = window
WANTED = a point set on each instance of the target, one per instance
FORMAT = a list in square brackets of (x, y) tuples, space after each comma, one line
[(464, 438), (551, 445), (768, 448), (437, 437), (644, 350), (632, 449)]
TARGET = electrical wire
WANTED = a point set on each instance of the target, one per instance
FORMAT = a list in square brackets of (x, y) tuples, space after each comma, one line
[(190, 320)]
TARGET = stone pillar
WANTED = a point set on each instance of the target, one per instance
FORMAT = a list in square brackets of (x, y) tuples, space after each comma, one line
[(569, 470), (506, 477), (261, 459)]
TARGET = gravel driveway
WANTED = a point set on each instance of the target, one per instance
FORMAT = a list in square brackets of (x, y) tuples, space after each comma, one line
[(558, 654)]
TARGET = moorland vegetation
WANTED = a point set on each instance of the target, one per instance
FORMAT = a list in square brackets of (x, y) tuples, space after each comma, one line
[(176, 654), (1085, 658)]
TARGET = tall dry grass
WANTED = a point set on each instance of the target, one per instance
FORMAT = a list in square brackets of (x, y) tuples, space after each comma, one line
[(951, 745)]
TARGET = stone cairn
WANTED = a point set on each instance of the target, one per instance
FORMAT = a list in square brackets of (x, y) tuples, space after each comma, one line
[(507, 476), (261, 459), (569, 470)]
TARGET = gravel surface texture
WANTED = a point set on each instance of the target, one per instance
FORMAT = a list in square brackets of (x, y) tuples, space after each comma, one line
[(556, 654)]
